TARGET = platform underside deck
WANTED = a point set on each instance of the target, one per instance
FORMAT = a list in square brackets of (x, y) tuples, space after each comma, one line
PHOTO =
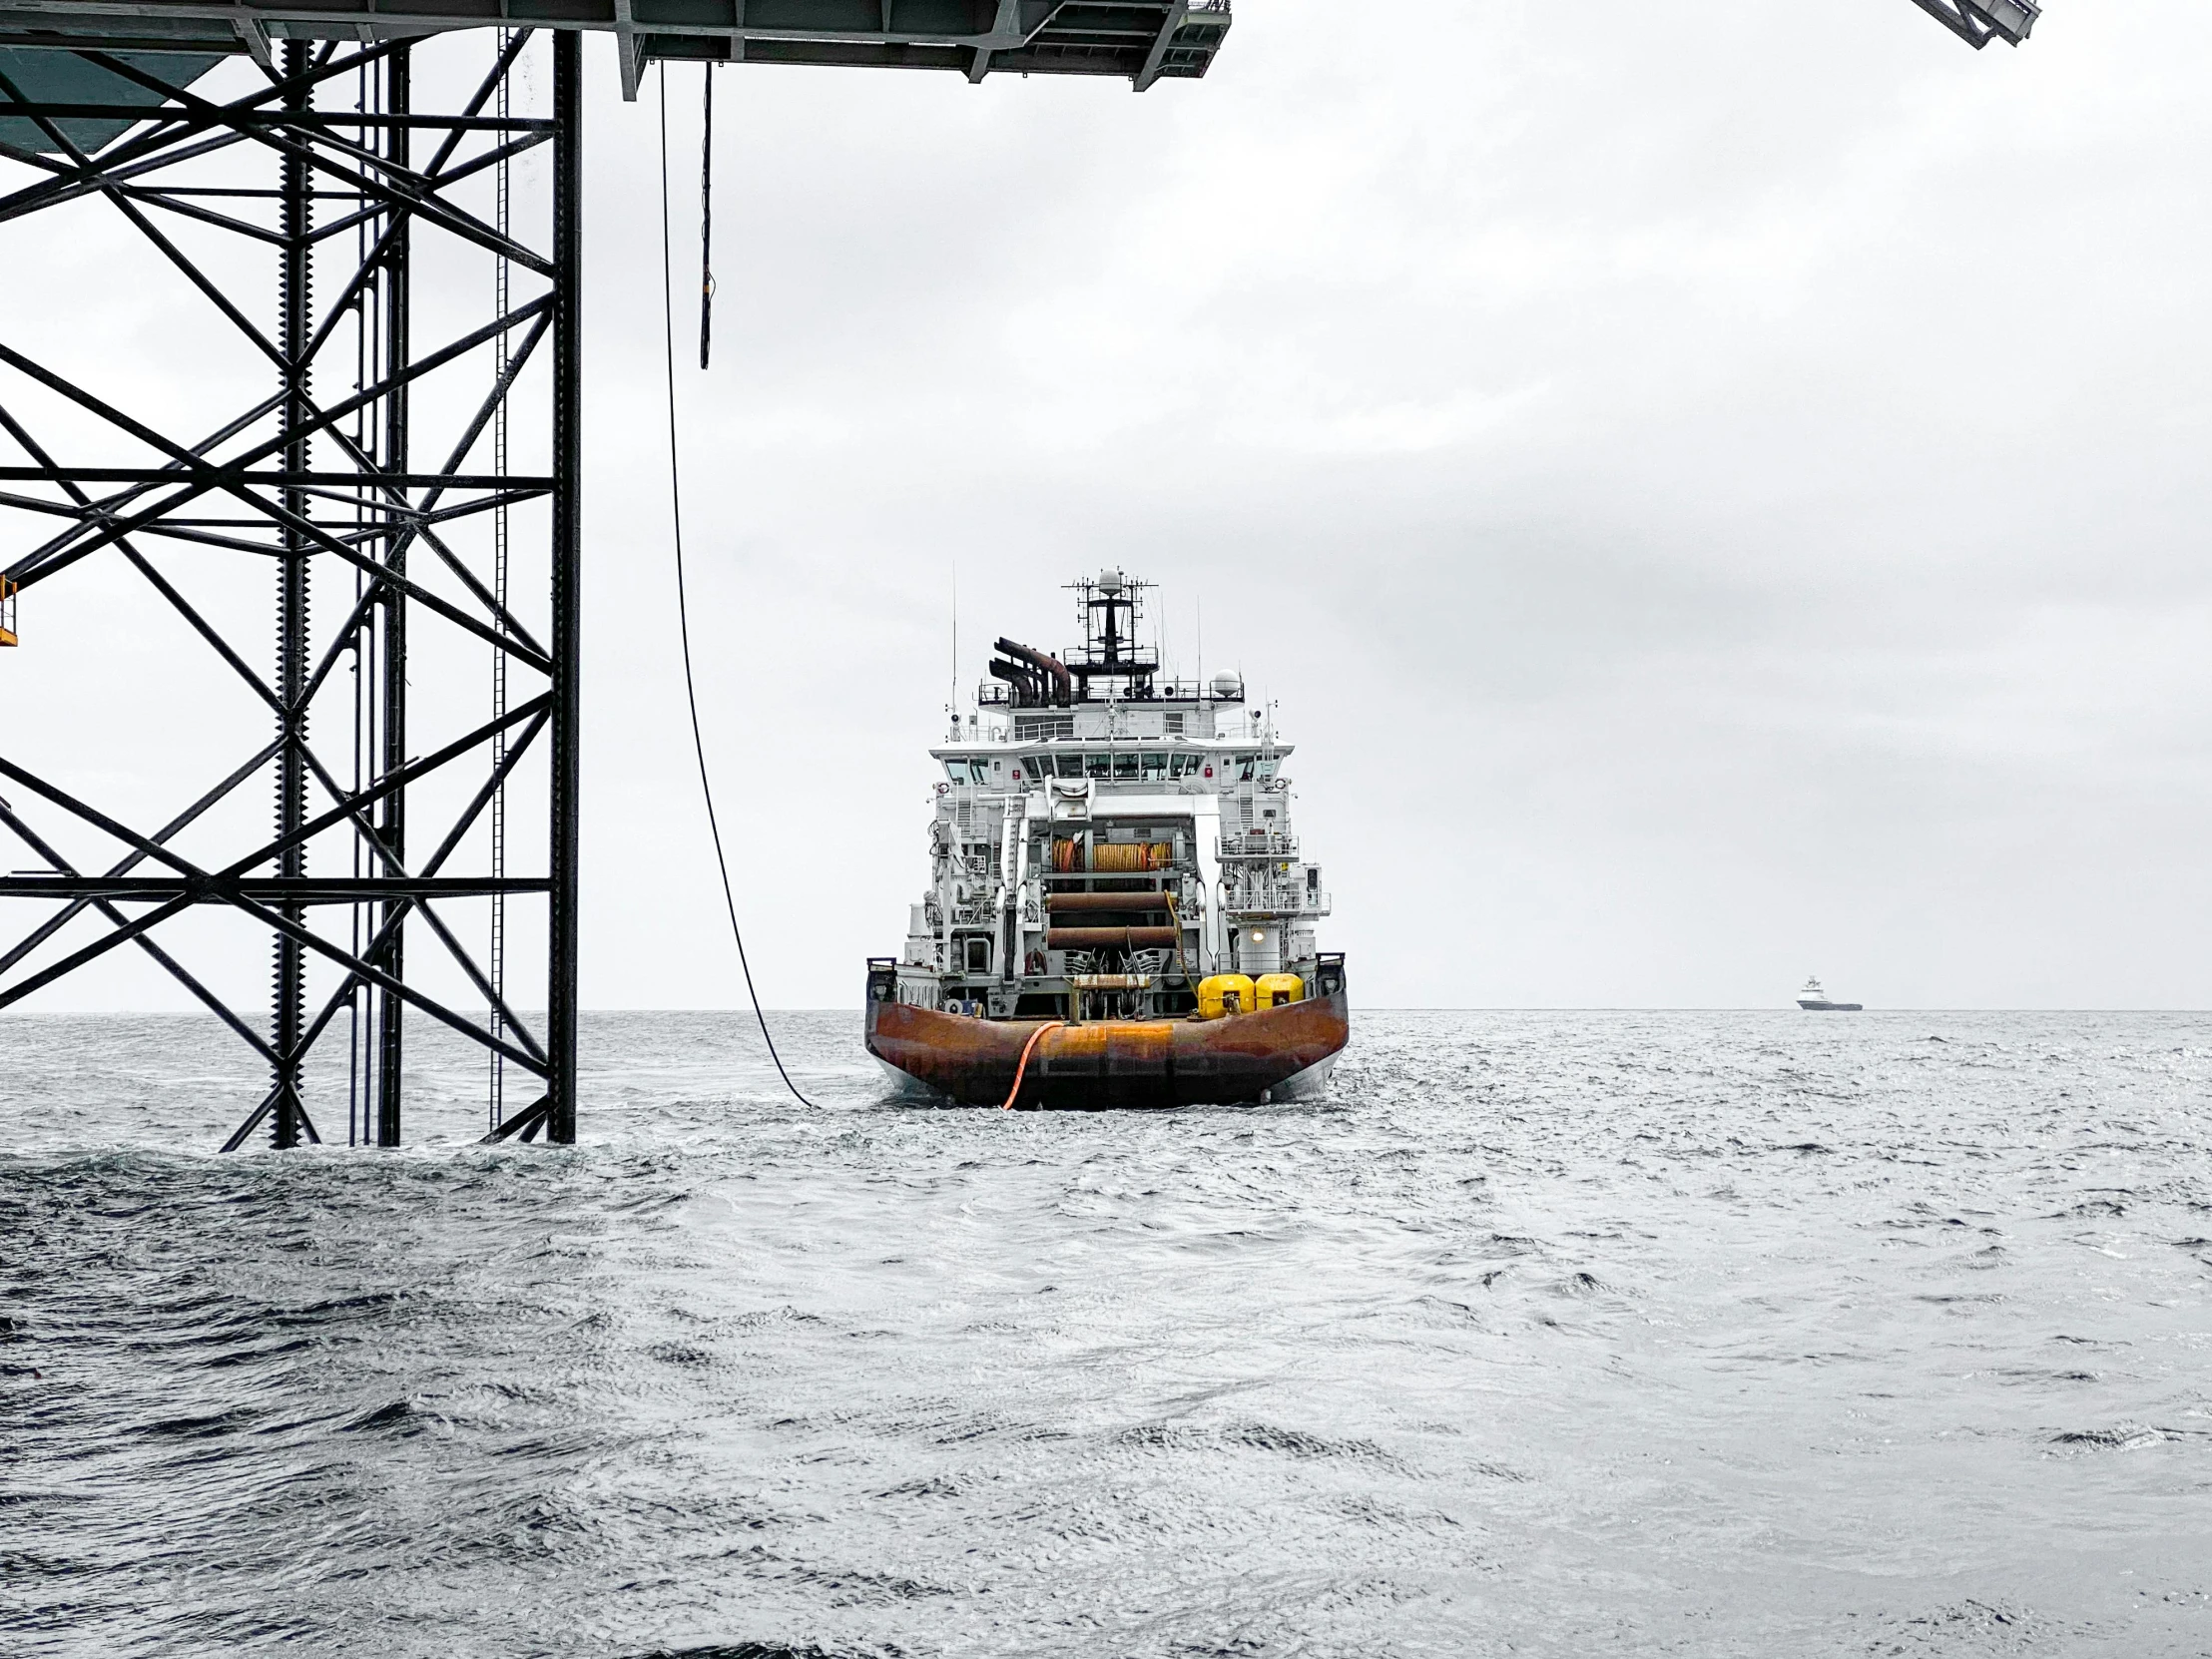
[(1112, 1065), (1140, 40)]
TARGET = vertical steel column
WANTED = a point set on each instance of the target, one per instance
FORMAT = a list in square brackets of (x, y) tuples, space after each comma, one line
[(289, 991), (391, 825), (568, 455)]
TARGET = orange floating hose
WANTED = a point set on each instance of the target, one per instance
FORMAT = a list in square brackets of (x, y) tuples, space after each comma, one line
[(1027, 1049)]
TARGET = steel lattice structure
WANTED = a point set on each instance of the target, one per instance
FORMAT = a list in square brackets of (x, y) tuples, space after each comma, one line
[(345, 185), (330, 174)]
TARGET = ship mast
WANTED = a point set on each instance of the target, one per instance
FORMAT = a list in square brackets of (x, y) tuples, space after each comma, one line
[(1111, 608)]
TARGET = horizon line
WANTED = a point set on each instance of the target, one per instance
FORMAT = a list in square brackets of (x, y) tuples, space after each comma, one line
[(1412, 1008)]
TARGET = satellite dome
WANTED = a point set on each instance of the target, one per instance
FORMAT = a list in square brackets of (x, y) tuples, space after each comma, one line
[(1109, 581), (1227, 685)]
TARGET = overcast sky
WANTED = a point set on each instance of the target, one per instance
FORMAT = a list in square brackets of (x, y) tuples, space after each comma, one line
[(1717, 490)]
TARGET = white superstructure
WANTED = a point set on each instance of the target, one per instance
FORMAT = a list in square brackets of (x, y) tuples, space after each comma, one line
[(1104, 840)]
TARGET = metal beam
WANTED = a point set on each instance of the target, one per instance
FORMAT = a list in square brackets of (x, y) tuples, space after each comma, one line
[(286, 889), (1977, 22), (1160, 43), (568, 596), (629, 50), (383, 1112), (296, 300)]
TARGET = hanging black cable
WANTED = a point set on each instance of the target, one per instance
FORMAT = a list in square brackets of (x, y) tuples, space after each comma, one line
[(706, 208), (682, 610)]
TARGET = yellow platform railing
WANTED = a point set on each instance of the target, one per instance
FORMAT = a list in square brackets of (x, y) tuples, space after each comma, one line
[(7, 611)]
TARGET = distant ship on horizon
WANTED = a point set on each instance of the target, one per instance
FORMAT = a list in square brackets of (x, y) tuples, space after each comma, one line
[(1814, 1000)]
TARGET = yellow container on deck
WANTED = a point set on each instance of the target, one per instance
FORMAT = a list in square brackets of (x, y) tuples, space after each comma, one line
[(1275, 989), (1225, 993)]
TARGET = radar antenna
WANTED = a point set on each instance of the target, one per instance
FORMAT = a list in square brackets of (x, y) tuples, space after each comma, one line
[(1111, 607)]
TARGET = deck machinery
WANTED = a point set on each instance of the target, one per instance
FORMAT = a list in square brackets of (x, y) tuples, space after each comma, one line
[(376, 432)]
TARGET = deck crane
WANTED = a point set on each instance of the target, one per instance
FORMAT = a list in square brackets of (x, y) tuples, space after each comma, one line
[(1977, 22)]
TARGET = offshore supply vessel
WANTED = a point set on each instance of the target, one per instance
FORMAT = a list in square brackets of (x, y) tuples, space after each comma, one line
[(1814, 1000), (1118, 914)]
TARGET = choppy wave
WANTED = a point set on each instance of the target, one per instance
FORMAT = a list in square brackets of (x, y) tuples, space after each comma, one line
[(1543, 1334)]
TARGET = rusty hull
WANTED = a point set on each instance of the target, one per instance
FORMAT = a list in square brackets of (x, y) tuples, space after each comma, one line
[(1108, 1065)]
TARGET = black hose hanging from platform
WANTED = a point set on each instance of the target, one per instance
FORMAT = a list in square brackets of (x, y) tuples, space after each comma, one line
[(682, 610), (705, 206)]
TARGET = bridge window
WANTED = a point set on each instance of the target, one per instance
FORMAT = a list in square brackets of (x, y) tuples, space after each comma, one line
[(1125, 766)]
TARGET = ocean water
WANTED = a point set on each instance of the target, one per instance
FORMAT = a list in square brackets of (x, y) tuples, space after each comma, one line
[(1705, 1333)]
